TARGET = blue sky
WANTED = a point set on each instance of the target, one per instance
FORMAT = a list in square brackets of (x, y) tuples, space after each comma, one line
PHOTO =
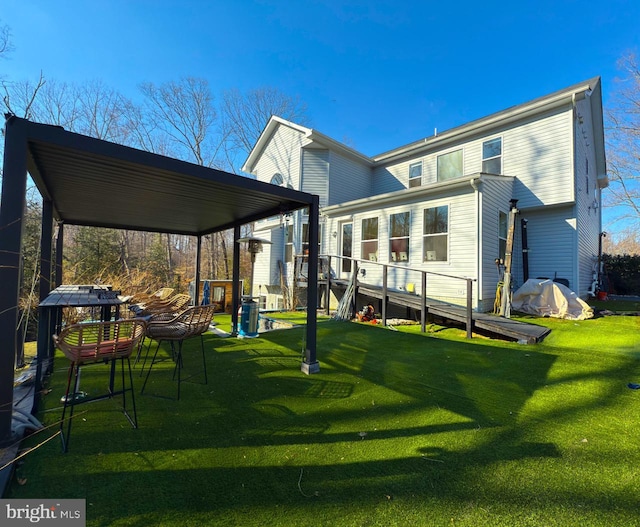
[(376, 74)]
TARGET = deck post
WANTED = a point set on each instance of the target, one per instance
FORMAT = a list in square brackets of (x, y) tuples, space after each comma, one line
[(469, 308), (385, 297), (327, 295), (354, 299), (423, 309)]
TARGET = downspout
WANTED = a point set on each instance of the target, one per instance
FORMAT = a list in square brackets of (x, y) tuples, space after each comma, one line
[(475, 184)]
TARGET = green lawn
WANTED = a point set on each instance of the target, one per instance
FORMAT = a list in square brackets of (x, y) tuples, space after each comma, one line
[(398, 428)]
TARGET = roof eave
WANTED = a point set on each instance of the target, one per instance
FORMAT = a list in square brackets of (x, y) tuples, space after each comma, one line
[(503, 117), (335, 146), (595, 100), (265, 136), (404, 195)]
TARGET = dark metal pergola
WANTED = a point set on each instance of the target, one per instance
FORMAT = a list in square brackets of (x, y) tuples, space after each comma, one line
[(87, 181)]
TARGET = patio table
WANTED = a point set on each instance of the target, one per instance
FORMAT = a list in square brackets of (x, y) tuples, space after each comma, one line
[(50, 316)]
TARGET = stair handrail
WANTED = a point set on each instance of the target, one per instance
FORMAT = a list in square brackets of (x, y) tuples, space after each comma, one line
[(385, 266)]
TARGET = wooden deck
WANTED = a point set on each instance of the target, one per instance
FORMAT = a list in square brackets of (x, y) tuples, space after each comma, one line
[(454, 315)]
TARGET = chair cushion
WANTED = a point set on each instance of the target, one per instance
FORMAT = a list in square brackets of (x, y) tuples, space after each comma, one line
[(95, 352)]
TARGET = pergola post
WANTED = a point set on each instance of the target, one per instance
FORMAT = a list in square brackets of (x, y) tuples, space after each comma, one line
[(59, 245), (12, 203), (235, 280), (196, 289), (310, 364), (44, 327)]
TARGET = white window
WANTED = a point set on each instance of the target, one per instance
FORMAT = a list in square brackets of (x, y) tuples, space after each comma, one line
[(277, 179), (399, 227), (436, 234), (492, 156), (502, 234), (415, 174), (450, 165), (369, 239)]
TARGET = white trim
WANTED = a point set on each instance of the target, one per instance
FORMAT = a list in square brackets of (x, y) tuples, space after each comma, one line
[(312, 136), (448, 235), (401, 196), (479, 126), (407, 257), (419, 163), (501, 156)]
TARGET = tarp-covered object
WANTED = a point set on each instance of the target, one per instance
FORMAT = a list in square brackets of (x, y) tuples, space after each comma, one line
[(546, 298)]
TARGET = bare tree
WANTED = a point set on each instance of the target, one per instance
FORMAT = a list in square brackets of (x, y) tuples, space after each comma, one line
[(56, 103), (626, 241), (102, 112), (21, 98), (183, 114), (178, 119), (244, 117), (5, 40), (623, 142)]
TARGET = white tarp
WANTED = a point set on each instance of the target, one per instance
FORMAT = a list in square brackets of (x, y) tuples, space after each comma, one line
[(546, 298)]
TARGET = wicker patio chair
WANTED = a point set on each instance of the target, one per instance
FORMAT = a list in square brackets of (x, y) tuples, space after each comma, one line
[(193, 322), (161, 294), (95, 343), (175, 304)]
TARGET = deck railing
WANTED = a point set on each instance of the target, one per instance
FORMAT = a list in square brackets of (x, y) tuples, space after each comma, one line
[(325, 274)]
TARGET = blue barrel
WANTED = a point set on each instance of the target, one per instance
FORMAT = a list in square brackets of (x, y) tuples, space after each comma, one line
[(249, 319)]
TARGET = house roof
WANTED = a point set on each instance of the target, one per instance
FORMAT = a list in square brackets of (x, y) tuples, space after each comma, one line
[(590, 88), (314, 139), (556, 99), (97, 183)]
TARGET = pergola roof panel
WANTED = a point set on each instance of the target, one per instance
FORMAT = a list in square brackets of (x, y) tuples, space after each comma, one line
[(97, 183)]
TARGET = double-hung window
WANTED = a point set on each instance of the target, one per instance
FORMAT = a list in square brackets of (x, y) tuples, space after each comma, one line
[(415, 174), (399, 228), (369, 239), (450, 165), (436, 234), (492, 156)]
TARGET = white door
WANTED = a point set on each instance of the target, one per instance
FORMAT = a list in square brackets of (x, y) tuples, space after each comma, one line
[(346, 249)]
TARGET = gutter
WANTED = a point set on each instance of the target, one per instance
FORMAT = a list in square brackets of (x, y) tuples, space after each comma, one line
[(407, 195)]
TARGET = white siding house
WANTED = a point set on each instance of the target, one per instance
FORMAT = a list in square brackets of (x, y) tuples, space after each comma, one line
[(441, 204)]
